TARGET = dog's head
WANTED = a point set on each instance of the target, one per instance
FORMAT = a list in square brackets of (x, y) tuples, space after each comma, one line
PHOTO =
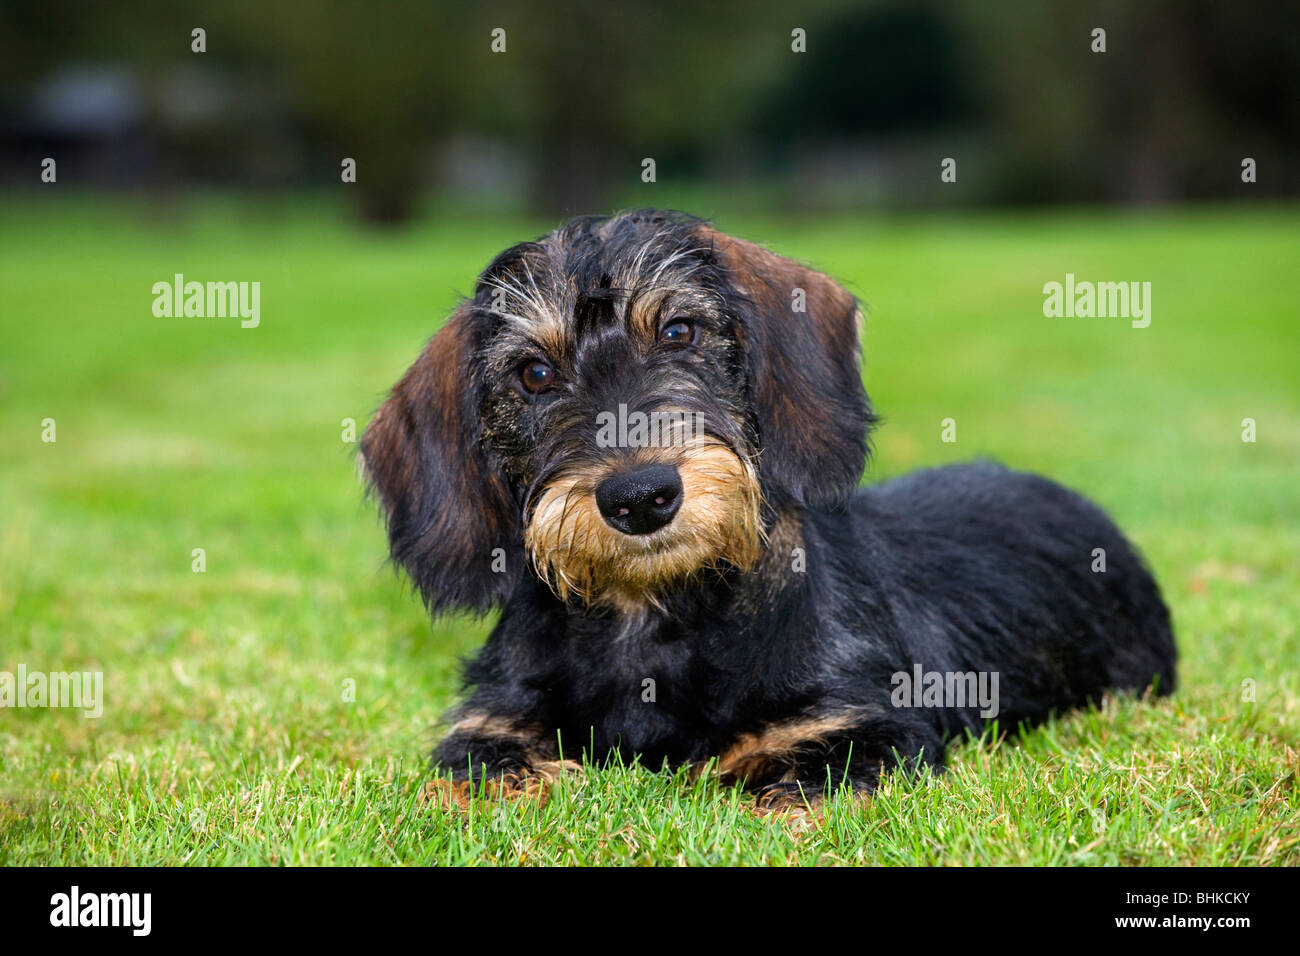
[(620, 406)]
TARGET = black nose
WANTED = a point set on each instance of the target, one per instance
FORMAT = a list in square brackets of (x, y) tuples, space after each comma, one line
[(640, 501)]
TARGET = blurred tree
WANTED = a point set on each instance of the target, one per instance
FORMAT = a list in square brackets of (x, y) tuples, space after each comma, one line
[(592, 87), (878, 70), (380, 83), (586, 89), (1183, 91)]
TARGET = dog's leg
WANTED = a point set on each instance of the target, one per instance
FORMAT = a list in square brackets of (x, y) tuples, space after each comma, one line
[(790, 764), (499, 756)]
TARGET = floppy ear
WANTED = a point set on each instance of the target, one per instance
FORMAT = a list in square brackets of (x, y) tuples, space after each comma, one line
[(447, 506), (805, 377)]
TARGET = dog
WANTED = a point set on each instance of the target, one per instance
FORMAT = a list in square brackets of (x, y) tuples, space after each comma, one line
[(717, 591)]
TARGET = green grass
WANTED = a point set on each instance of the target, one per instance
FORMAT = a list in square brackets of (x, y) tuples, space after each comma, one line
[(225, 736)]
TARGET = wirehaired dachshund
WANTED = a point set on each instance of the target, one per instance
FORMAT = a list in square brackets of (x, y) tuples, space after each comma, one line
[(641, 440)]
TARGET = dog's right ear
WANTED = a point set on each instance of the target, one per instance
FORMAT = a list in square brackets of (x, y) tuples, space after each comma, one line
[(447, 506)]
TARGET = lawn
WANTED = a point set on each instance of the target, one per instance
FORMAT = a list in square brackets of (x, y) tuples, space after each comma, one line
[(278, 707)]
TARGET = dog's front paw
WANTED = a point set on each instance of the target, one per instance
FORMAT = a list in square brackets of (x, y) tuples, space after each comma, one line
[(791, 799), (513, 783)]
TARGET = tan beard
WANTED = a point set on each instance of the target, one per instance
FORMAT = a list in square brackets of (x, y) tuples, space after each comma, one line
[(579, 555)]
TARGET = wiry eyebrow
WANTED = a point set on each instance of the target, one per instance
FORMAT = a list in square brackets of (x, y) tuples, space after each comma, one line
[(525, 306), (685, 251), (525, 293)]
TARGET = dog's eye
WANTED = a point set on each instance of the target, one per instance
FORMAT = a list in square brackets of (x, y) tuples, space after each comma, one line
[(678, 332), (536, 376)]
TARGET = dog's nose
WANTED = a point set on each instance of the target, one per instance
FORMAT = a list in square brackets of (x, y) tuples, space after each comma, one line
[(641, 501)]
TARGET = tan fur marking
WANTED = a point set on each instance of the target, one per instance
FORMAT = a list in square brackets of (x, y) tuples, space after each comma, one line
[(578, 554), (643, 316), (487, 725), (657, 303), (777, 745)]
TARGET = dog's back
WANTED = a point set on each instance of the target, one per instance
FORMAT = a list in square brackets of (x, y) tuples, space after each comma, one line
[(998, 570)]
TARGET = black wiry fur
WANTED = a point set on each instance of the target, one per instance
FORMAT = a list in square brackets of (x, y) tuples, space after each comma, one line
[(782, 672)]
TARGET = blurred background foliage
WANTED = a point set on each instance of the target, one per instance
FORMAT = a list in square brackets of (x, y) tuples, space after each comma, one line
[(561, 121)]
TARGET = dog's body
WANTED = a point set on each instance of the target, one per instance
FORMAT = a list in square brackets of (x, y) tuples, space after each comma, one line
[(727, 595)]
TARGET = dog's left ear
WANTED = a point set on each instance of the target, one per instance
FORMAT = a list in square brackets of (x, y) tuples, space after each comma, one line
[(800, 332), (448, 508)]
